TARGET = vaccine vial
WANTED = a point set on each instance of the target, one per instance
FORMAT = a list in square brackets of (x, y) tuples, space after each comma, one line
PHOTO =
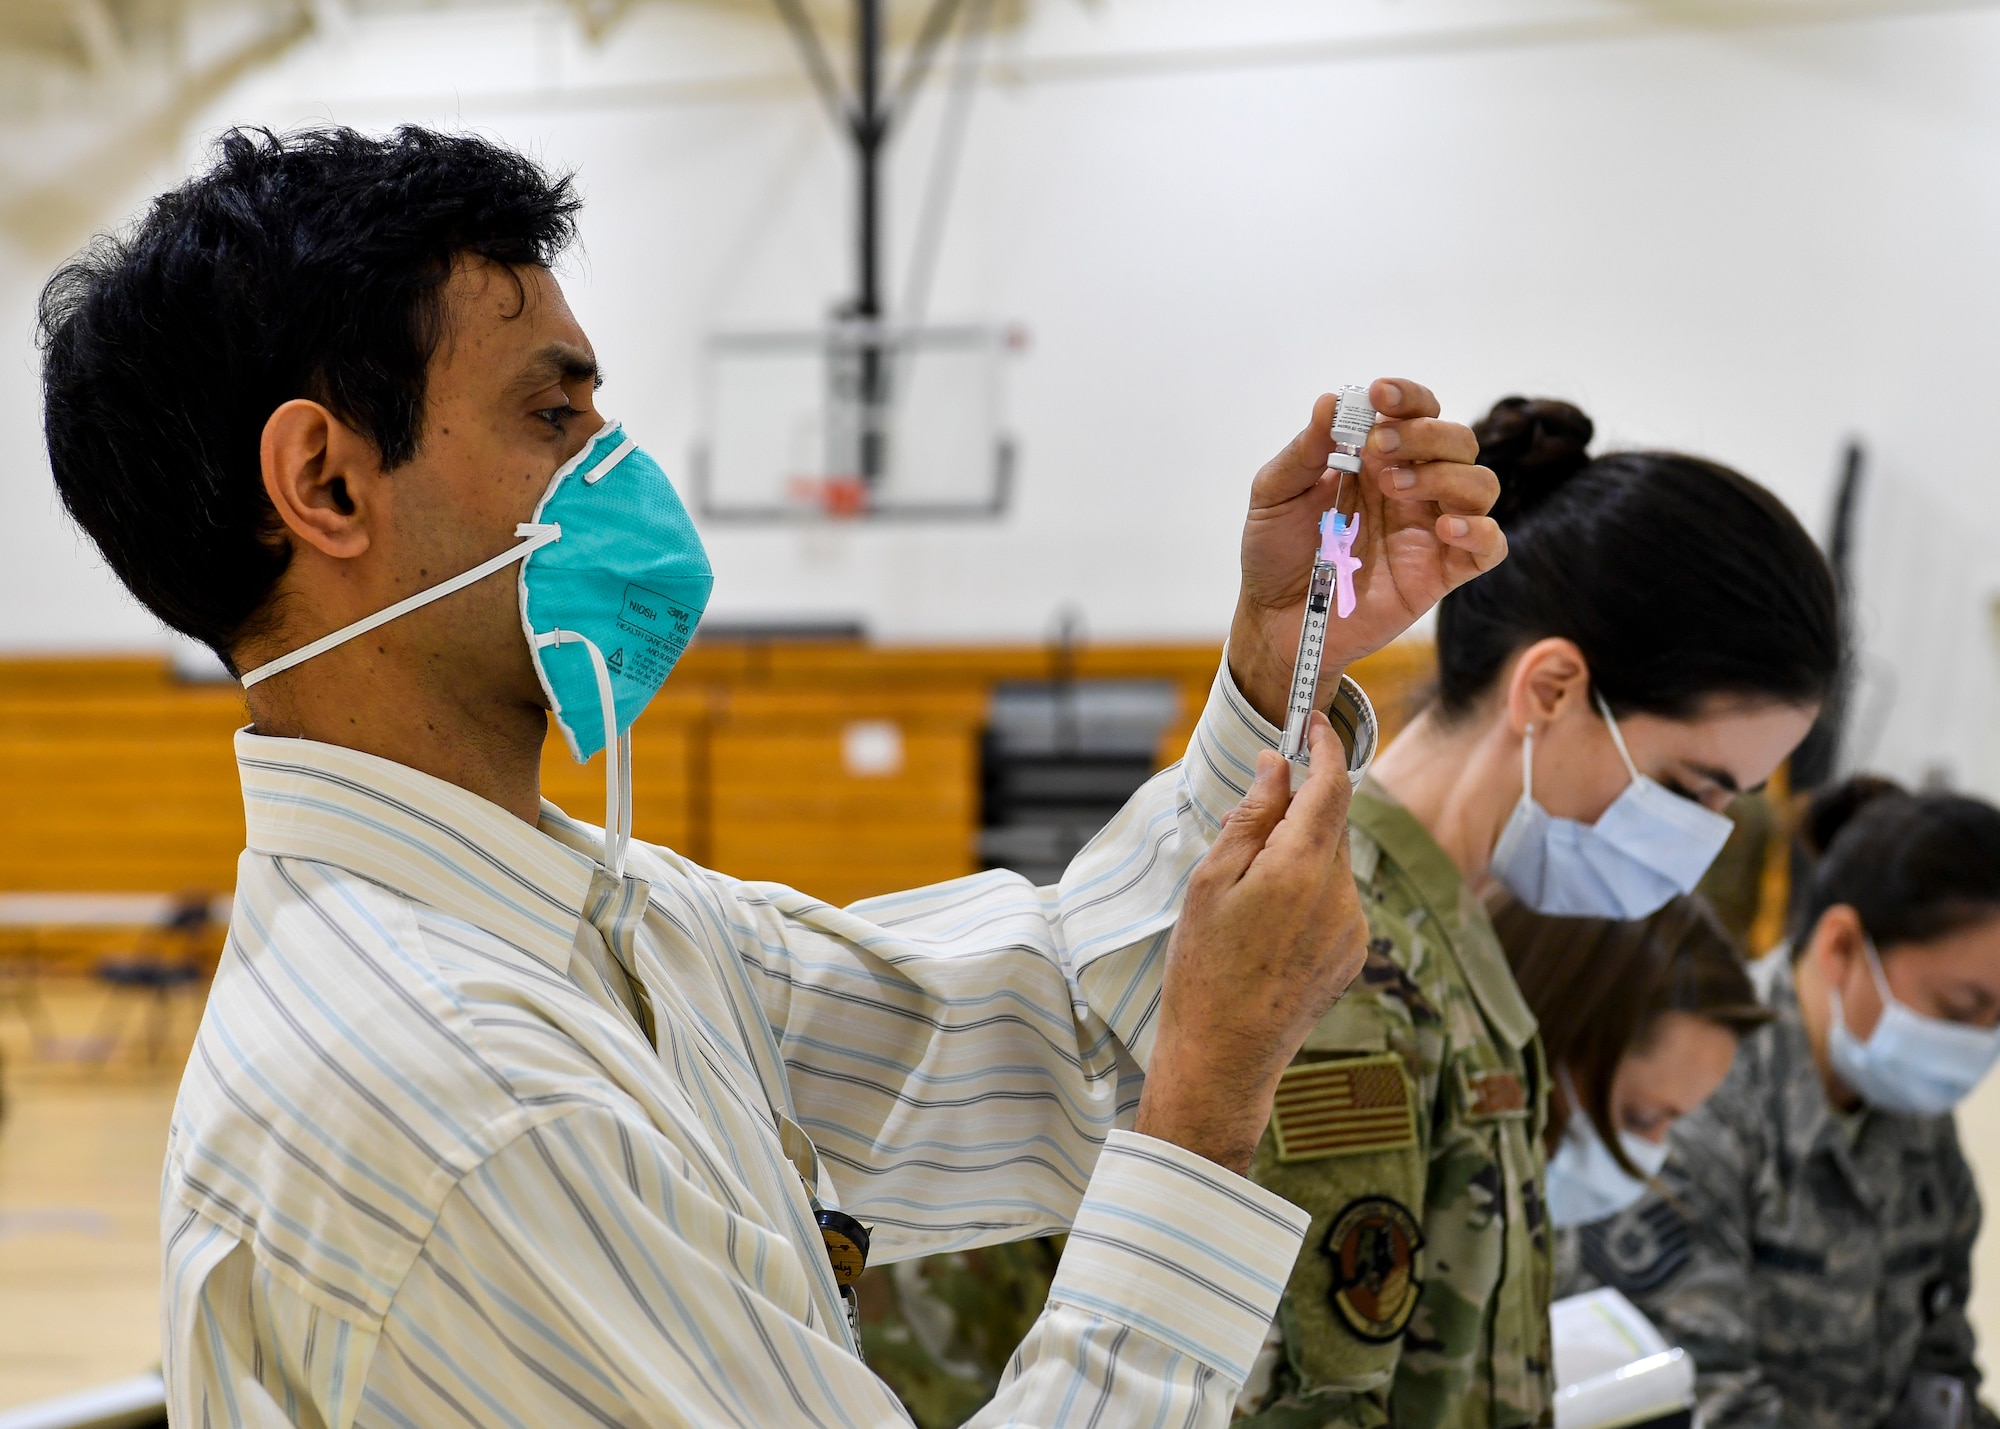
[(1353, 418)]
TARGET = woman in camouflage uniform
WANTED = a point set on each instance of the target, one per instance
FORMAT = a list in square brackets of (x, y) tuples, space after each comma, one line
[(1640, 1022), (1811, 1242), (1659, 621)]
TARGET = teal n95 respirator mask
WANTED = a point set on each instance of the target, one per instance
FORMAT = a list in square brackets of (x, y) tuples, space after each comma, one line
[(613, 581), (1649, 845)]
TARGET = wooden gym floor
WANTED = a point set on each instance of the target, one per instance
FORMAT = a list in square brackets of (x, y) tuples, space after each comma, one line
[(80, 1153)]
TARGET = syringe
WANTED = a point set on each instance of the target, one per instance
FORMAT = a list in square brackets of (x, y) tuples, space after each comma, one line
[(1333, 568)]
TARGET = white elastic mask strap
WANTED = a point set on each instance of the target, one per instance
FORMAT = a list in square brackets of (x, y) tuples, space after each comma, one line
[(624, 799), (1617, 737), (1528, 765), (535, 535), (1580, 1123), (617, 752), (1875, 971)]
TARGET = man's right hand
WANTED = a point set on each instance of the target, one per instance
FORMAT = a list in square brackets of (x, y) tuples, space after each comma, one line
[(1271, 933)]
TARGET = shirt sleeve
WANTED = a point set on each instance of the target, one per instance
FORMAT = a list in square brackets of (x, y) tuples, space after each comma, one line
[(959, 1054), (585, 1274)]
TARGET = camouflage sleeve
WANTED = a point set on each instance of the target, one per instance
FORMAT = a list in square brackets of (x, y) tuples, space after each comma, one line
[(1349, 1144), (1948, 1342), (1683, 1256)]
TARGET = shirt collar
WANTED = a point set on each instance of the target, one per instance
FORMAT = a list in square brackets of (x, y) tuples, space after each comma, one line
[(1453, 907), (1806, 1123), (1395, 830), (419, 835)]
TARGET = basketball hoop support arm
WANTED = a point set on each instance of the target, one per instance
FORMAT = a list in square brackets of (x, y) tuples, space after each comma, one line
[(860, 369), (871, 129), (868, 118)]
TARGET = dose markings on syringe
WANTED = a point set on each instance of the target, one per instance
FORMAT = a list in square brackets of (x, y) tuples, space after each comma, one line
[(1305, 675)]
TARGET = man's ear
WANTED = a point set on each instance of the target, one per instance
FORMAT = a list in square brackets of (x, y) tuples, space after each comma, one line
[(320, 475), (1550, 679)]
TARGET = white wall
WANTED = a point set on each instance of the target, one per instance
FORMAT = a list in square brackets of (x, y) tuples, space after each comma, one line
[(1748, 239)]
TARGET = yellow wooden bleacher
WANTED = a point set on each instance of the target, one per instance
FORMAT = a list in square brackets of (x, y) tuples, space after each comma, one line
[(119, 779), (114, 779)]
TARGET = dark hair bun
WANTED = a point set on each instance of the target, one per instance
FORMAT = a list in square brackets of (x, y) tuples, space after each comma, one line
[(1913, 867), (1833, 808), (1534, 445)]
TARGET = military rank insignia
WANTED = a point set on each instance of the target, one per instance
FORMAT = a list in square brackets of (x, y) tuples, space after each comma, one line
[(1639, 1250), (1491, 1095), (1373, 1244), (1333, 1108)]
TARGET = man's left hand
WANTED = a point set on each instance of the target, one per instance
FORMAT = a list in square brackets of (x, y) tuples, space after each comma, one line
[(1422, 500)]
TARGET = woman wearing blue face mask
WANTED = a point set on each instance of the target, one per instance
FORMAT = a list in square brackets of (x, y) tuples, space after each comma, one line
[(1810, 1242), (1660, 636), (1640, 1023)]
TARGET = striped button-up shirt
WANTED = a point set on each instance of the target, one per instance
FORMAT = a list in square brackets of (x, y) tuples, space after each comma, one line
[(428, 1167)]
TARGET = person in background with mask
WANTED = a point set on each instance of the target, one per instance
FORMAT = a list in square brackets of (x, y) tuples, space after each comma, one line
[(1662, 634), (496, 1117), (1640, 1022), (1810, 1240)]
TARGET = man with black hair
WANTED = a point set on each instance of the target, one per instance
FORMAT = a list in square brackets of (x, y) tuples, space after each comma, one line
[(496, 1117)]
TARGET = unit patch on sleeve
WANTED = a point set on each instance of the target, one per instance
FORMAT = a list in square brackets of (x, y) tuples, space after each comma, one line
[(1337, 1108), (1373, 1244)]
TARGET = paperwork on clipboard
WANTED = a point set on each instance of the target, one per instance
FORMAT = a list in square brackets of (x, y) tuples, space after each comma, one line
[(1615, 1371)]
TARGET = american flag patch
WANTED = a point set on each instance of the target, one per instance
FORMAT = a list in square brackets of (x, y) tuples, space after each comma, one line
[(1337, 1108)]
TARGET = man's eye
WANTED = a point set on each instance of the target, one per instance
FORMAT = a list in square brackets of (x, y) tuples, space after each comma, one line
[(1709, 797), (1968, 1006), (556, 416)]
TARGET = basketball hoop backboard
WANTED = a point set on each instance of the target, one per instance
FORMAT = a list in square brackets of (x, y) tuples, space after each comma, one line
[(853, 420)]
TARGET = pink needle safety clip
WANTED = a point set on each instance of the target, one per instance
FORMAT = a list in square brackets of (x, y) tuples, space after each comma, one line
[(1353, 420), (1336, 548)]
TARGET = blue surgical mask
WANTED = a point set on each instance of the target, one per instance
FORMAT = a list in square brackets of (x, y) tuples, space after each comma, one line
[(1585, 1182), (1649, 845), (613, 581), (1921, 1066)]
